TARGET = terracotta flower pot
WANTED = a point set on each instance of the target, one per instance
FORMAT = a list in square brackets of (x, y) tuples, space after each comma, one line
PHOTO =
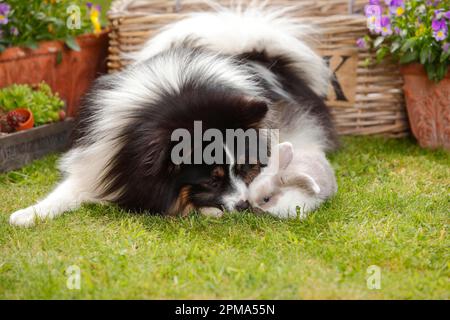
[(29, 123), (68, 72), (428, 105)]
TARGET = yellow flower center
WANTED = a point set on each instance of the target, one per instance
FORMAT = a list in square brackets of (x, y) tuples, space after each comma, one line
[(440, 34), (400, 11), (420, 31)]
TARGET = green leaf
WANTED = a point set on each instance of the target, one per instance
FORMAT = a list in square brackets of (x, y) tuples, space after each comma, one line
[(378, 41), (395, 46), (72, 43), (425, 54), (433, 55), (444, 56), (431, 71), (441, 72), (367, 62), (59, 57), (409, 57), (31, 44), (409, 44), (381, 53)]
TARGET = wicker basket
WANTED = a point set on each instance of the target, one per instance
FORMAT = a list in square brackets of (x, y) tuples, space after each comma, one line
[(366, 99)]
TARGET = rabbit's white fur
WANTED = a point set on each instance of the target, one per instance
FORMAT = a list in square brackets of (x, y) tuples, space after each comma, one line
[(294, 183)]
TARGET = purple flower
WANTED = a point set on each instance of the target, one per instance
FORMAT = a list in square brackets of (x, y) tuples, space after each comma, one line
[(361, 43), (440, 29), (14, 31), (386, 29), (91, 6), (4, 11), (447, 15), (446, 47), (396, 7), (432, 2), (439, 14), (374, 2), (373, 14)]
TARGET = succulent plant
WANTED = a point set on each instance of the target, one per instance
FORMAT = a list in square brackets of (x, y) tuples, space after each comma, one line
[(15, 118), (43, 103), (4, 125)]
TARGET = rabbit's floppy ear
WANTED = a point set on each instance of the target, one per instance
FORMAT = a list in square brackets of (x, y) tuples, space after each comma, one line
[(298, 180)]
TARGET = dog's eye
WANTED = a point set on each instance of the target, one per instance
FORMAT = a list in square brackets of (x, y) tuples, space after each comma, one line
[(266, 199), (214, 184)]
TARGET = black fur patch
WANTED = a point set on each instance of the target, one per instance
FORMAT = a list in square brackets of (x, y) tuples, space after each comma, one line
[(142, 172)]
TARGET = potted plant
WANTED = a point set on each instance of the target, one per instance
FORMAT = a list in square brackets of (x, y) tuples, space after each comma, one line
[(416, 34), (60, 42), (17, 120), (32, 123)]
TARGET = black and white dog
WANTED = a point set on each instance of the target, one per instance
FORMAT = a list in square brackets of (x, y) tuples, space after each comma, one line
[(236, 69)]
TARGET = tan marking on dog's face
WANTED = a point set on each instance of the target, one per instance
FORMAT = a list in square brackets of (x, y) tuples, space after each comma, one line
[(182, 205), (218, 172)]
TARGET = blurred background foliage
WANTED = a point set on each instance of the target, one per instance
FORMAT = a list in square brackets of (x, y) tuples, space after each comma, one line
[(26, 23)]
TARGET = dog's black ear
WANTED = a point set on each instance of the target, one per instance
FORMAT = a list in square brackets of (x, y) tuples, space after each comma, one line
[(252, 111)]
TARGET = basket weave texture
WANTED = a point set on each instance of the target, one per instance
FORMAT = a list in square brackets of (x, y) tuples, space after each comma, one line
[(366, 98)]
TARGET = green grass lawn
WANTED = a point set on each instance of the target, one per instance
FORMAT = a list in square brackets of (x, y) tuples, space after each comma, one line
[(392, 211)]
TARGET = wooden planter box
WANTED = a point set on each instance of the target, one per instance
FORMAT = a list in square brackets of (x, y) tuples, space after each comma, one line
[(20, 148), (68, 72)]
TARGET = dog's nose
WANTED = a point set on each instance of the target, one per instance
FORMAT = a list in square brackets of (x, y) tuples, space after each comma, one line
[(242, 205)]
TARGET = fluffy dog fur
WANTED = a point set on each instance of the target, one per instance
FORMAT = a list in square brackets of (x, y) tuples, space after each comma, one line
[(229, 69)]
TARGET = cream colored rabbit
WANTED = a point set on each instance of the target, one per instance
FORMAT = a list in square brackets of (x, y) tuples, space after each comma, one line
[(293, 186)]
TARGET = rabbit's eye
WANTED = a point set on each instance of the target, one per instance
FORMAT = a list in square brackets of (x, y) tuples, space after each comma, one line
[(266, 199)]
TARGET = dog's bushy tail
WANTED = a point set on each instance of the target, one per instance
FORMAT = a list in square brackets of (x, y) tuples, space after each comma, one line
[(240, 29)]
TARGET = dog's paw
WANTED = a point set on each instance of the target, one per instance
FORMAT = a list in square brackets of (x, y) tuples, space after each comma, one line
[(23, 218), (211, 212)]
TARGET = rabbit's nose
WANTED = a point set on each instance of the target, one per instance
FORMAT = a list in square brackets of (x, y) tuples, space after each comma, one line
[(242, 205)]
